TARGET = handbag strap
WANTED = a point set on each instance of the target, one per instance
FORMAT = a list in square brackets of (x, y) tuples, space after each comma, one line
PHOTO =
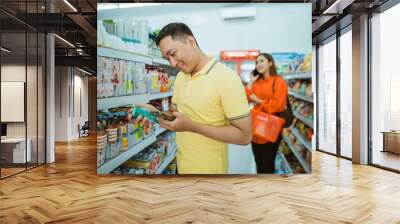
[(273, 91)]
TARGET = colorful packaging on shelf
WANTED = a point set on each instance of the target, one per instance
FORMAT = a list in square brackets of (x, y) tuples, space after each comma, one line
[(101, 149), (129, 80), (131, 135), (124, 136), (283, 62), (104, 77), (292, 62), (139, 111), (157, 79), (168, 139), (112, 134), (172, 166), (163, 79), (101, 156), (154, 82), (307, 62), (279, 165), (165, 104), (147, 159), (303, 87), (140, 79), (110, 26), (118, 77)]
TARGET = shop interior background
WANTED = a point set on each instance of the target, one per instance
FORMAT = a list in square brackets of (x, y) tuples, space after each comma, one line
[(281, 29)]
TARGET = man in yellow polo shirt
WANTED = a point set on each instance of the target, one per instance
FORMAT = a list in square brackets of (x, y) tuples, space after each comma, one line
[(210, 103)]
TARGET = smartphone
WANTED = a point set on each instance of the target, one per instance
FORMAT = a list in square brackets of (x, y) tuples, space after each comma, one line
[(255, 73), (165, 115)]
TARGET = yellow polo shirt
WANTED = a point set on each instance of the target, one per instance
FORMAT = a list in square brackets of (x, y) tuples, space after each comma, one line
[(213, 96)]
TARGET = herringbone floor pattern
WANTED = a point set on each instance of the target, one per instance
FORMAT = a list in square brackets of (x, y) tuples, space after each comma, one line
[(70, 191)]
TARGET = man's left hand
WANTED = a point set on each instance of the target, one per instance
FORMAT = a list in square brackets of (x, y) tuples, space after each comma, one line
[(181, 123)]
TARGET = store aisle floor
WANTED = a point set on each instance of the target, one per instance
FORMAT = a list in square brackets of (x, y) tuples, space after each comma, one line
[(70, 191)]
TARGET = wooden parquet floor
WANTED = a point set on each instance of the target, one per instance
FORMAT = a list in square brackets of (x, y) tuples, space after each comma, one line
[(70, 191)]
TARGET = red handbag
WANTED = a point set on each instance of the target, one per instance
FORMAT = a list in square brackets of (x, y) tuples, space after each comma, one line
[(266, 127)]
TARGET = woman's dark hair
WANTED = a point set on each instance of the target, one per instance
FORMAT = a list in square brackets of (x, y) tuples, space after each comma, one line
[(272, 69)]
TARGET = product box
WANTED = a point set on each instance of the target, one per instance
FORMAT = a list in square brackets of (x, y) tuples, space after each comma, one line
[(140, 85), (104, 77), (117, 78)]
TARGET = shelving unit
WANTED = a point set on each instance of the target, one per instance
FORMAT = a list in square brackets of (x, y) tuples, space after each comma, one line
[(288, 169), (160, 61), (125, 55), (168, 159), (112, 102), (301, 97), (295, 152), (117, 101), (297, 76), (305, 120), (159, 95), (299, 136), (110, 165)]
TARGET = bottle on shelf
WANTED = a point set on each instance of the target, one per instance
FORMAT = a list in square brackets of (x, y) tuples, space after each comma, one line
[(101, 144)]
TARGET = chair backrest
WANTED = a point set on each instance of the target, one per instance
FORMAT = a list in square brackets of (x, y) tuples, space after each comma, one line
[(86, 125)]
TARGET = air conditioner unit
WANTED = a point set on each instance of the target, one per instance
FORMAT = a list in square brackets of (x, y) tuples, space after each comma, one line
[(247, 12)]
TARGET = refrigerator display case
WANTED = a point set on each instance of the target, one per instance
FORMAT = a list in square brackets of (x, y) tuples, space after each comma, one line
[(241, 61)]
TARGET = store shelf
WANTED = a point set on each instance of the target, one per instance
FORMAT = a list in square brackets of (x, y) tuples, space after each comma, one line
[(285, 163), (159, 95), (297, 76), (161, 61), (168, 159), (296, 154), (302, 139), (117, 161), (301, 96), (117, 101), (125, 55), (160, 130), (303, 119), (112, 102), (121, 158)]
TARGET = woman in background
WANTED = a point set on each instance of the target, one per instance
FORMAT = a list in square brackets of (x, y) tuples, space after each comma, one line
[(269, 92)]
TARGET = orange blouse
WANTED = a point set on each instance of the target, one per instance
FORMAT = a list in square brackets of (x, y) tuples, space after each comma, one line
[(273, 101)]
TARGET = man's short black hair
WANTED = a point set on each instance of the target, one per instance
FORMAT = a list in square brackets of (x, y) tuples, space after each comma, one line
[(174, 30)]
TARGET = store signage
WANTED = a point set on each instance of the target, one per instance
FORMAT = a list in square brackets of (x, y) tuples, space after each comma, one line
[(240, 55)]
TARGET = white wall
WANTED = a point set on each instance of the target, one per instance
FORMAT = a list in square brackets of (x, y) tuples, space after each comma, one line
[(61, 103), (276, 27), (68, 83), (79, 117)]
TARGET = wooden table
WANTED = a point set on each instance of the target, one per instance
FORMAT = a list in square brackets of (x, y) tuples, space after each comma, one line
[(391, 141)]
